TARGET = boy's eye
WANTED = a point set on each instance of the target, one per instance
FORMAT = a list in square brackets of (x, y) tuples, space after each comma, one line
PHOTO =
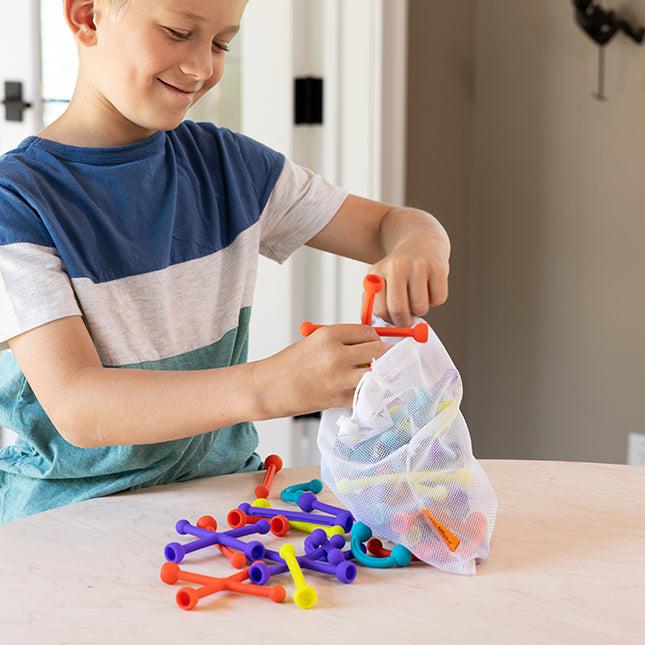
[(178, 35), (181, 35)]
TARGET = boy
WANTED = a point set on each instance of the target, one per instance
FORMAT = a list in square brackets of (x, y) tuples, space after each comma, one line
[(128, 250)]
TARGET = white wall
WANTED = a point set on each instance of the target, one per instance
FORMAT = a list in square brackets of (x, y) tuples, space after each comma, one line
[(556, 303)]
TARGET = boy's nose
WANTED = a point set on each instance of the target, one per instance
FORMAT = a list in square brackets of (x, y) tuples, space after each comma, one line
[(199, 63)]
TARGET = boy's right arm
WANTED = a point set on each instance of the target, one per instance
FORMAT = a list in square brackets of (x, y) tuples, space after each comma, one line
[(91, 405)]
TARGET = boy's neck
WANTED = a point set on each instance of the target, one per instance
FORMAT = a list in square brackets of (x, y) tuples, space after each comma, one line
[(75, 128)]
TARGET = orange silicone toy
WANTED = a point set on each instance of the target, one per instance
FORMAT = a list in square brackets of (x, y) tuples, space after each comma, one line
[(237, 517), (236, 558), (187, 597), (273, 465), (373, 284)]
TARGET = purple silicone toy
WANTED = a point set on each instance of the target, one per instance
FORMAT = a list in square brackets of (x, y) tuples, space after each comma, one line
[(260, 572), (308, 502), (318, 538), (312, 518), (253, 550)]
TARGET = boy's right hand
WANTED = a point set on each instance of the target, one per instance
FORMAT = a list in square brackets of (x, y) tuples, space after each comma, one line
[(319, 372)]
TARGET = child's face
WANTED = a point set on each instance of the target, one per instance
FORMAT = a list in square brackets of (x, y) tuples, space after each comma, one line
[(155, 61)]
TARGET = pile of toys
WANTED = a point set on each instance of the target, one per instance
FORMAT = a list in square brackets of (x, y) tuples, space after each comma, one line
[(400, 460), (324, 547)]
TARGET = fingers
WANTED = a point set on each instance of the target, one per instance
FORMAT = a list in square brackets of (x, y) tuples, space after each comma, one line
[(396, 297), (380, 306), (364, 353), (418, 292), (356, 377), (438, 284), (411, 295), (349, 334)]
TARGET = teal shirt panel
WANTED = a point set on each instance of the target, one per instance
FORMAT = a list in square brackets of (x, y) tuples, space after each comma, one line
[(43, 471)]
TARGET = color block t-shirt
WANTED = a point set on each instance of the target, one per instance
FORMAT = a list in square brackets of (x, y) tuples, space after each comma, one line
[(155, 244)]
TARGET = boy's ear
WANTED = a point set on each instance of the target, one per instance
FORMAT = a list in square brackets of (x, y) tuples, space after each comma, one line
[(80, 19)]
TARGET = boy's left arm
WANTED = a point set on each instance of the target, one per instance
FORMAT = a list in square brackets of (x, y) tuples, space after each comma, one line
[(407, 247)]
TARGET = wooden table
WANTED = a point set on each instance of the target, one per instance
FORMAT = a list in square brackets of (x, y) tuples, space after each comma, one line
[(567, 565)]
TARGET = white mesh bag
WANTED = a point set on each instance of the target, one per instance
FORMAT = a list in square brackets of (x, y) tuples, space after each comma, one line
[(401, 459)]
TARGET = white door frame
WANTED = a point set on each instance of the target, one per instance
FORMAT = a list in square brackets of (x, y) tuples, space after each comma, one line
[(361, 147), (267, 83), (20, 61), (367, 89)]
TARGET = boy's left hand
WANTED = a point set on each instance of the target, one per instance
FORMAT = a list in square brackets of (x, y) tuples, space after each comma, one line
[(408, 247), (416, 278)]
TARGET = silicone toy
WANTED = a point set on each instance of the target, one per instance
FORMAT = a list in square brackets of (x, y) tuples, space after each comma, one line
[(292, 493), (273, 464), (235, 557), (462, 477), (308, 527), (187, 597), (305, 527), (207, 522), (334, 556), (452, 541), (345, 522), (184, 527), (375, 547), (419, 332), (372, 284), (475, 525), (344, 571), (458, 502), (309, 502), (399, 557), (259, 572), (176, 552), (305, 596), (254, 550), (315, 540), (402, 522), (273, 555), (319, 539), (278, 524), (409, 526)]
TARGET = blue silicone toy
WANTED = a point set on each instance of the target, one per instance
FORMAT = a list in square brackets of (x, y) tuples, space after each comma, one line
[(400, 556)]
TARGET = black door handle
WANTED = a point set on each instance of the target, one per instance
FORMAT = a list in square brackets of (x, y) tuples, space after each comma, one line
[(13, 101)]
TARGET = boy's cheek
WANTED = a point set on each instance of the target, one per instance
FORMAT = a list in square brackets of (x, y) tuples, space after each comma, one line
[(212, 82)]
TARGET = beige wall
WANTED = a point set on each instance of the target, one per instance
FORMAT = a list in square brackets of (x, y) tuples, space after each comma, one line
[(439, 142), (555, 307)]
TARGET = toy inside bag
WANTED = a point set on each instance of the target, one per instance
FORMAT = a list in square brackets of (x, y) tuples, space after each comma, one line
[(401, 459)]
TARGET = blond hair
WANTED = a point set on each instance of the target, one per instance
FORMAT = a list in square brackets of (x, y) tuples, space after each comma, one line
[(115, 7)]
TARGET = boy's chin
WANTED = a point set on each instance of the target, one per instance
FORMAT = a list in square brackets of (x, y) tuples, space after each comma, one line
[(163, 123)]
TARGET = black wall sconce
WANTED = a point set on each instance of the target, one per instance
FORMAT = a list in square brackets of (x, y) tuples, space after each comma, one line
[(601, 26)]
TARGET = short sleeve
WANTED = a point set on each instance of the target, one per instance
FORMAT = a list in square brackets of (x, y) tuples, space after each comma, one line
[(34, 286), (301, 204)]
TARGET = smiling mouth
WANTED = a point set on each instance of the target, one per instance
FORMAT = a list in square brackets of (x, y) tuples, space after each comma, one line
[(177, 89)]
